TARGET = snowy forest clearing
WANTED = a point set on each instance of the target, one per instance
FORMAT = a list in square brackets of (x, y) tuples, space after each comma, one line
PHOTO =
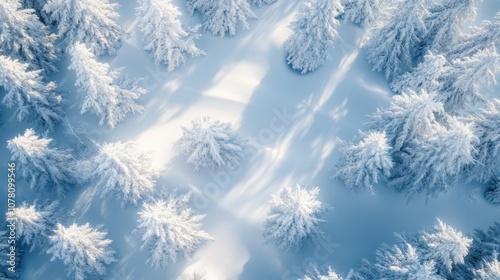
[(293, 123)]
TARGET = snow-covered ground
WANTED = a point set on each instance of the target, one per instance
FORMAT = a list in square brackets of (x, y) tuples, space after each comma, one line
[(294, 122)]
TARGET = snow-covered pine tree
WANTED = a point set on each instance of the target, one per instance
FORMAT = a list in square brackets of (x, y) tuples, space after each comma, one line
[(487, 128), (41, 165), (124, 170), (260, 3), (37, 5), (361, 165), (393, 46), (403, 262), (432, 163), (427, 75), (409, 116), (168, 228), (5, 272), (23, 36), (211, 144), (294, 217), (35, 222), (485, 244), (164, 35), (479, 39), (446, 246), (35, 100), (490, 270), (445, 23), (315, 273), (362, 12), (493, 193), (465, 78), (314, 34), (92, 22), (83, 249), (222, 16), (107, 93)]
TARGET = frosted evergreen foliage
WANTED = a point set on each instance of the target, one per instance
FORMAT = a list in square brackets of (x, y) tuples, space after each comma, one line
[(492, 194), (260, 3), (125, 171), (25, 89), (446, 21), (24, 37), (409, 116), (487, 128), (489, 270), (211, 144), (294, 217), (5, 273), (168, 228), (37, 5), (314, 273), (393, 44), (83, 249), (361, 165), (222, 17), (108, 94), (92, 22), (163, 33), (314, 34), (427, 75), (35, 222), (446, 246), (41, 165), (363, 12), (432, 164)]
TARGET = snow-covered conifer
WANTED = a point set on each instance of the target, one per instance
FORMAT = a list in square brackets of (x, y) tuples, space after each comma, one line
[(211, 144), (168, 228), (314, 33), (446, 21), (35, 100), (6, 272), (314, 273), (35, 222), (164, 35), (446, 246), (124, 170), (363, 12), (37, 5), (23, 36), (493, 193), (393, 44), (260, 3), (294, 217), (92, 22), (83, 249), (432, 163), (361, 165), (41, 165), (107, 93), (409, 116), (222, 16), (489, 270), (486, 244)]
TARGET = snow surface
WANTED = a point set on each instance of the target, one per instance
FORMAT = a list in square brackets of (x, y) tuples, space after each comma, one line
[(245, 80)]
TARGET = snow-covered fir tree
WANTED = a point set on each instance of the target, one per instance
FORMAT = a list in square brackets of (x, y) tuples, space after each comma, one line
[(315, 273), (168, 228), (465, 78), (35, 222), (432, 163), (314, 34), (446, 246), (41, 165), (260, 3), (163, 33), (6, 272), (403, 262), (362, 12), (107, 93), (222, 17), (124, 170), (35, 100), (427, 75), (211, 144), (409, 116), (92, 22), (487, 128), (37, 5), (489, 270), (83, 249), (492, 194), (23, 36), (445, 23), (294, 217), (485, 244), (361, 165), (393, 43)]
